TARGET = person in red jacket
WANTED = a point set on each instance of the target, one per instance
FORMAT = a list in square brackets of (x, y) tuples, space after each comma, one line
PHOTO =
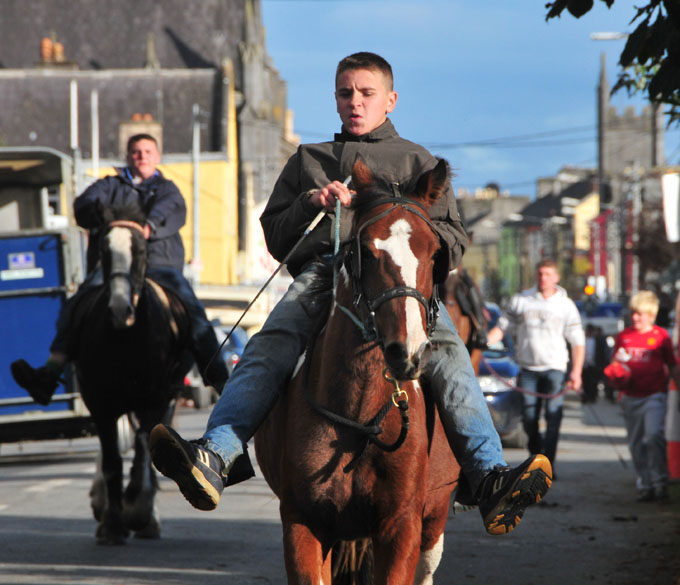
[(647, 351)]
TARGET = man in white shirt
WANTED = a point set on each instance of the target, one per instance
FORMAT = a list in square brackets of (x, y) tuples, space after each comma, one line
[(543, 319)]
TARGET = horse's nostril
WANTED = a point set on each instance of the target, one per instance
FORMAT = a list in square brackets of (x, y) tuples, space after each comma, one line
[(395, 353)]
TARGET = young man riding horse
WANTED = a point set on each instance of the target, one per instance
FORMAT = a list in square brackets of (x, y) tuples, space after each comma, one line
[(312, 181), (140, 181)]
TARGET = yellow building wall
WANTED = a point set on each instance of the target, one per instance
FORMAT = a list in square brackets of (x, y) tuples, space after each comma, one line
[(587, 210), (218, 210)]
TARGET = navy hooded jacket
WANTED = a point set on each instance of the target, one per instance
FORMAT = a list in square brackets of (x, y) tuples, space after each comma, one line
[(159, 196)]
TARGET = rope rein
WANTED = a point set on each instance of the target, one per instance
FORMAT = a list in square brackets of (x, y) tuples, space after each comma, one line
[(496, 375)]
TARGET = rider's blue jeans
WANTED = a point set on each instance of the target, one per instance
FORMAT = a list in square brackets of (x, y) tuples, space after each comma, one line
[(545, 382), (271, 355), (204, 345)]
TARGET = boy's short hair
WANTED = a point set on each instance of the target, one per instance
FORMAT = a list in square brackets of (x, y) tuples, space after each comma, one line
[(547, 263), (644, 302), (136, 138), (366, 60)]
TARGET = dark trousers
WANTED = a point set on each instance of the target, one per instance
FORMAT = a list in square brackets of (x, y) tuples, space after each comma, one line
[(204, 345), (591, 378)]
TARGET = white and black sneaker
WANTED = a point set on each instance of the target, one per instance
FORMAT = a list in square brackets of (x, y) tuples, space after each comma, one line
[(506, 492), (199, 472)]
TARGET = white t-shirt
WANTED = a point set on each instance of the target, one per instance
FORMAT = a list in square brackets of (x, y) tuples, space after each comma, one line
[(542, 327)]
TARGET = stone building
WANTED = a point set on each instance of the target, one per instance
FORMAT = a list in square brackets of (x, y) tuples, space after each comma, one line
[(80, 75)]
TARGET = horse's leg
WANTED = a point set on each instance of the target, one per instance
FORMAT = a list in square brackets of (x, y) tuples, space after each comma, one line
[(98, 491), (432, 544), (428, 562), (138, 501), (111, 528), (476, 358), (396, 558), (304, 556)]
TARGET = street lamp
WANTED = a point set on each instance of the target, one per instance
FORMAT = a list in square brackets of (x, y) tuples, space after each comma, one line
[(608, 36)]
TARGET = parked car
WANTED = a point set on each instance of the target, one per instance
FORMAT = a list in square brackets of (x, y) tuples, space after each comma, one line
[(230, 352), (497, 378), (609, 316)]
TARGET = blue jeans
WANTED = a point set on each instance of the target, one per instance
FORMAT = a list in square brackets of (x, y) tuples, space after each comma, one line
[(545, 382), (271, 355), (204, 345)]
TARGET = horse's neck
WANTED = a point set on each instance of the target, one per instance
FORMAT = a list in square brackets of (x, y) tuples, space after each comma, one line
[(344, 362)]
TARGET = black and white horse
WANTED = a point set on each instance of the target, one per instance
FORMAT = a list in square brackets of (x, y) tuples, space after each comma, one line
[(129, 343)]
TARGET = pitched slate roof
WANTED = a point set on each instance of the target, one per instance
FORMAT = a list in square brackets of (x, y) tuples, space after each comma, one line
[(36, 106), (100, 34)]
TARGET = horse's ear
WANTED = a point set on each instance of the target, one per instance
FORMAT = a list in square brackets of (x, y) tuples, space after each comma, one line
[(362, 177), (432, 184)]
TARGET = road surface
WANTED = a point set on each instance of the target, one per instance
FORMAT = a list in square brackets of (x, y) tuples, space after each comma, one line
[(589, 530)]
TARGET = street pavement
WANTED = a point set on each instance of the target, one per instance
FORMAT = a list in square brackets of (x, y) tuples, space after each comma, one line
[(588, 530)]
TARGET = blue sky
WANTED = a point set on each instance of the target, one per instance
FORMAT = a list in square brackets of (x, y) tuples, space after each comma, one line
[(467, 72)]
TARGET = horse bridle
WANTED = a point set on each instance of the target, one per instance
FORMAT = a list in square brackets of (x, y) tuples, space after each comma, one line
[(368, 325)]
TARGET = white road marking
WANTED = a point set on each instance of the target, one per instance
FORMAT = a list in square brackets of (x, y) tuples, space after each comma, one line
[(50, 484)]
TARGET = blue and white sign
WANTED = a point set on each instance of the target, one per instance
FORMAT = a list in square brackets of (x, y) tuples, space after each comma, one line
[(21, 260), (21, 267)]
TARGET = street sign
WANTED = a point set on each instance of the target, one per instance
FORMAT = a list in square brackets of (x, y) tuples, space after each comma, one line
[(670, 187)]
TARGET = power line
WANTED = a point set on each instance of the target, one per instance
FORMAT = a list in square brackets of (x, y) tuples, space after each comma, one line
[(531, 140)]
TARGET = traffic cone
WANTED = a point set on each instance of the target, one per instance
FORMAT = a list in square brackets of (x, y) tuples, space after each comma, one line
[(673, 432)]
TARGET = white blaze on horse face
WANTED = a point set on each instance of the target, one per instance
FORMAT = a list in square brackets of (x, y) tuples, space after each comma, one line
[(120, 245), (399, 248)]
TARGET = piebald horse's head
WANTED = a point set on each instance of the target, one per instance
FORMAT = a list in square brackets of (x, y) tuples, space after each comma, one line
[(389, 264), (123, 257)]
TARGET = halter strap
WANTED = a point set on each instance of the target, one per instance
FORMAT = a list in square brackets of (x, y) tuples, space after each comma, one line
[(369, 328)]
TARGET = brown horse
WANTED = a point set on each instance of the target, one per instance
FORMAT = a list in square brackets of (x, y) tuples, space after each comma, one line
[(338, 450), (466, 322)]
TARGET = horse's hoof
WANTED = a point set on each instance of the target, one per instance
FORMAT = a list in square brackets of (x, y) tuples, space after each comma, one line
[(107, 536), (151, 531), (137, 514)]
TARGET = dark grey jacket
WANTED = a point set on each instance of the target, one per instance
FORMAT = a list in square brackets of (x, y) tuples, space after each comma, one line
[(159, 196), (288, 211)]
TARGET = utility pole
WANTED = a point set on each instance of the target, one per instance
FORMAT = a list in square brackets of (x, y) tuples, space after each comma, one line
[(636, 209), (195, 156)]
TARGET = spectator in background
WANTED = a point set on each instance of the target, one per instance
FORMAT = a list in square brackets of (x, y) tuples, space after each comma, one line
[(647, 351), (596, 359), (543, 319)]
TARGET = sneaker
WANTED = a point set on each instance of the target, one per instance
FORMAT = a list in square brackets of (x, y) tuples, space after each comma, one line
[(40, 382), (197, 471), (506, 492)]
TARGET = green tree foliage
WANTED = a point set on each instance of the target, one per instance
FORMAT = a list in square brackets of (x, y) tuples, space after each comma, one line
[(655, 253), (651, 57)]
